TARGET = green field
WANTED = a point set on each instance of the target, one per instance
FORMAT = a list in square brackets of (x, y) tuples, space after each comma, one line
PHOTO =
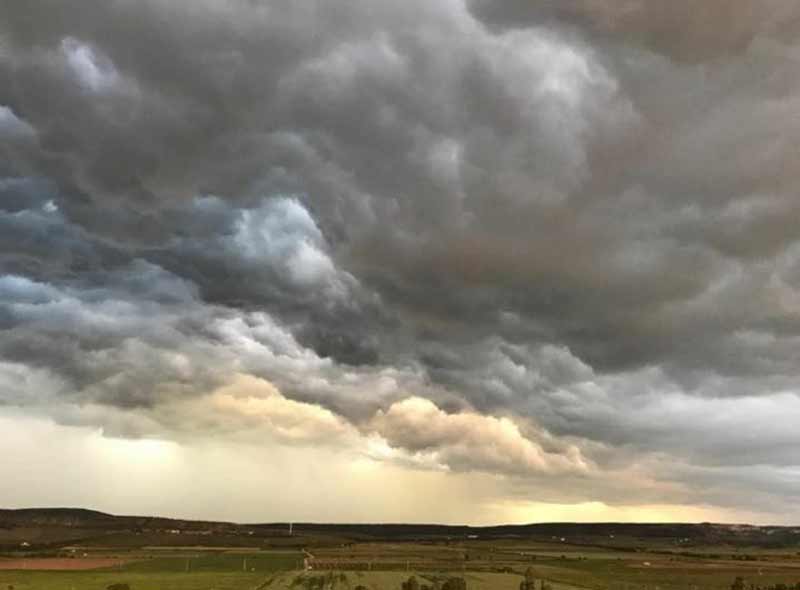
[(25, 580), (181, 570), (383, 565), (217, 562)]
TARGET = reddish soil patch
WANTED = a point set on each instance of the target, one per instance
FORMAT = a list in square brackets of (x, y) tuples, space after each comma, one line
[(57, 563)]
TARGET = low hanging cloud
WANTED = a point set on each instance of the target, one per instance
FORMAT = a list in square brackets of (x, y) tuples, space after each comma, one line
[(251, 403), (469, 441)]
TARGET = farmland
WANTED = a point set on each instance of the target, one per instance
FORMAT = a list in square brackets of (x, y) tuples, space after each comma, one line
[(83, 551)]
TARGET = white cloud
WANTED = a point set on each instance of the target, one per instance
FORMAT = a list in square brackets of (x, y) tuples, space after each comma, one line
[(93, 71), (11, 126), (256, 405), (466, 441)]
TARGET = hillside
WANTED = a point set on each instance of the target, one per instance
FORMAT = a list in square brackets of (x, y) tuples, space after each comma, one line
[(42, 528)]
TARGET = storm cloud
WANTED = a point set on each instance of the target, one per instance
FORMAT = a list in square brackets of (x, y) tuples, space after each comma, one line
[(554, 242)]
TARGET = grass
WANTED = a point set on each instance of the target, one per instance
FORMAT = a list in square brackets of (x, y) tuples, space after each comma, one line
[(207, 571), (137, 581), (217, 562)]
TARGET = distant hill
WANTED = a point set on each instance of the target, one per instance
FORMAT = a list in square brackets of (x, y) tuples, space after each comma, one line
[(43, 528), (54, 516)]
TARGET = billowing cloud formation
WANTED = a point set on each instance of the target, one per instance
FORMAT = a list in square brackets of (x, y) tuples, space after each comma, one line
[(553, 241), (682, 30), (471, 440)]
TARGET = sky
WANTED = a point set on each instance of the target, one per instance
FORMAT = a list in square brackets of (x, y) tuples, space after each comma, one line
[(462, 261)]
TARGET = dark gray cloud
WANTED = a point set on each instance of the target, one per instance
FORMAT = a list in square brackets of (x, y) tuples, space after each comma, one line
[(681, 30), (579, 215)]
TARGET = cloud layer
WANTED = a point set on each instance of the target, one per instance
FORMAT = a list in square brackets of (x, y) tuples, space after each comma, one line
[(554, 242)]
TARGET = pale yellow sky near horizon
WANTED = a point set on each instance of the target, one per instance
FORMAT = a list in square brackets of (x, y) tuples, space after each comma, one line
[(221, 480)]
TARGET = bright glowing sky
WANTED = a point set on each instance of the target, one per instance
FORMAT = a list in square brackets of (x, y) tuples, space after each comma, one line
[(459, 261)]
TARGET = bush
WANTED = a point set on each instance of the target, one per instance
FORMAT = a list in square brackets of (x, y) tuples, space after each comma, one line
[(455, 584)]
